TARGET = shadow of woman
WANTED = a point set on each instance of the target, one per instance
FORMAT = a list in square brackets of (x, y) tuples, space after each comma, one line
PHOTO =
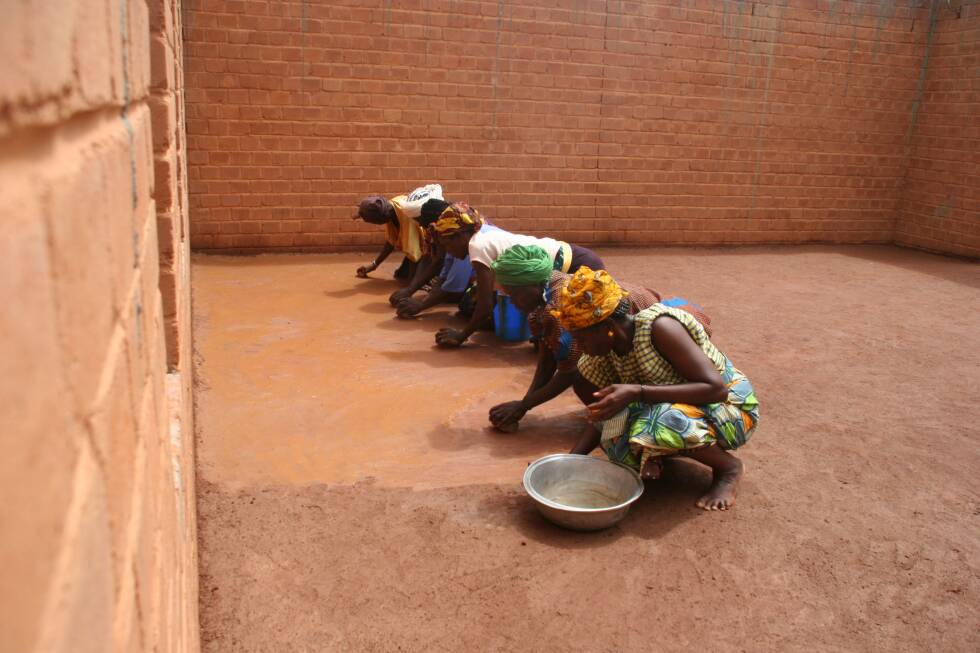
[(478, 354), (536, 437), (432, 320), (669, 500), (370, 286), (376, 308)]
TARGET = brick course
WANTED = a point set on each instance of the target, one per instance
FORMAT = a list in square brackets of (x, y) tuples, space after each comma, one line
[(599, 122), (166, 102)]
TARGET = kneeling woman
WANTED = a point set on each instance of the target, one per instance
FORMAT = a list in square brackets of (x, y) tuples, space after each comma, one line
[(659, 387), (525, 273), (461, 230)]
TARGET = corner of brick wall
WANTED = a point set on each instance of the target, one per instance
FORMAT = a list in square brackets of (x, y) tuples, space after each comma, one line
[(98, 544), (940, 206)]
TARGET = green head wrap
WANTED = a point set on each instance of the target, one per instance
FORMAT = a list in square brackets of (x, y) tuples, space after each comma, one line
[(523, 265)]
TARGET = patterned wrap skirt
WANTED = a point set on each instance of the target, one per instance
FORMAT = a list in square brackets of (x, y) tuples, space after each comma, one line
[(641, 430)]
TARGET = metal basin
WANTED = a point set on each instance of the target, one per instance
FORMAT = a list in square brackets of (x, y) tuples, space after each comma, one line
[(582, 492)]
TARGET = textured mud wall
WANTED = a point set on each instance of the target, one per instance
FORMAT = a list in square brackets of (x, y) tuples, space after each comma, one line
[(166, 103), (98, 512), (598, 121)]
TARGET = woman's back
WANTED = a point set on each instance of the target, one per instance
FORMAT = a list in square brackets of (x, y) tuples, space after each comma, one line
[(643, 363)]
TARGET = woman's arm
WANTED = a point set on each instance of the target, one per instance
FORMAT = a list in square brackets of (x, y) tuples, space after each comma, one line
[(378, 260), (484, 305), (545, 386), (484, 299), (410, 307), (703, 384), (544, 370), (557, 384), (428, 267)]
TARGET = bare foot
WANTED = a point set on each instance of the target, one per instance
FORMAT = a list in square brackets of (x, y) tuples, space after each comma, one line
[(652, 469), (727, 471), (721, 494)]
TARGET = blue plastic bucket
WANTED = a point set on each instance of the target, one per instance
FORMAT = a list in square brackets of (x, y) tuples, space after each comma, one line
[(509, 323)]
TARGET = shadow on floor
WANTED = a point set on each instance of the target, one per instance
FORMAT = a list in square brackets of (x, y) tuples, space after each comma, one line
[(534, 436), (429, 321), (377, 287), (958, 270), (961, 271), (482, 350), (376, 308)]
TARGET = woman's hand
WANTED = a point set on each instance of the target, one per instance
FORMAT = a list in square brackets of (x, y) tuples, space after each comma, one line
[(399, 295), (612, 399), (511, 411), (409, 308), (450, 338), (364, 270)]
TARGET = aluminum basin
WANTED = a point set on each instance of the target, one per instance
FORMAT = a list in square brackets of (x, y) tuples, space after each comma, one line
[(583, 493)]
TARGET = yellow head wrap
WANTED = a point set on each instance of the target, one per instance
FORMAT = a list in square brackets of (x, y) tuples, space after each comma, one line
[(588, 298), (456, 216)]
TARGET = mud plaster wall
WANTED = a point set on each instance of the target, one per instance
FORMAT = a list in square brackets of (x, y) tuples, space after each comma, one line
[(98, 512), (940, 209), (699, 121)]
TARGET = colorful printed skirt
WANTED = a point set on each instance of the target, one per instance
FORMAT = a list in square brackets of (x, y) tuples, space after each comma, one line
[(641, 430)]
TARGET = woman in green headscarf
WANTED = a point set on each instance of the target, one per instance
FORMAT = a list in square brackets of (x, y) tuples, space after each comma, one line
[(526, 274)]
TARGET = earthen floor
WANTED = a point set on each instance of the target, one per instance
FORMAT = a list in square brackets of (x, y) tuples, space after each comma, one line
[(351, 496)]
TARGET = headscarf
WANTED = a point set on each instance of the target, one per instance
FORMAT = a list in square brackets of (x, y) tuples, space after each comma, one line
[(523, 265), (431, 211), (588, 298), (456, 216), (372, 208)]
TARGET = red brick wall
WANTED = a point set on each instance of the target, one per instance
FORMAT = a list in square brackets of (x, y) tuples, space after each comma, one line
[(940, 208), (675, 122)]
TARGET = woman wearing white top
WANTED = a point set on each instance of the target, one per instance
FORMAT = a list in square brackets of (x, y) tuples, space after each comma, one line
[(458, 228)]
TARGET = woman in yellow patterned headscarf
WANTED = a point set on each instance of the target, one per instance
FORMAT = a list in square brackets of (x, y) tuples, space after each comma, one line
[(455, 217), (588, 298), (656, 385)]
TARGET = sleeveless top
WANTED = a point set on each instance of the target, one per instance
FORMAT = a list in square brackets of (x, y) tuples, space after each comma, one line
[(644, 364), (730, 422), (409, 237)]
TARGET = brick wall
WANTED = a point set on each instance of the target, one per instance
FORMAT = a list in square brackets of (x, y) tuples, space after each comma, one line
[(166, 103), (599, 121), (940, 208), (98, 545)]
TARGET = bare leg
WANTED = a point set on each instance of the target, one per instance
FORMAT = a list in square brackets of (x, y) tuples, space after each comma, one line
[(727, 470)]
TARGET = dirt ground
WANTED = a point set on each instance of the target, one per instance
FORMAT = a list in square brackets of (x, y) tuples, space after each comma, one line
[(352, 498)]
